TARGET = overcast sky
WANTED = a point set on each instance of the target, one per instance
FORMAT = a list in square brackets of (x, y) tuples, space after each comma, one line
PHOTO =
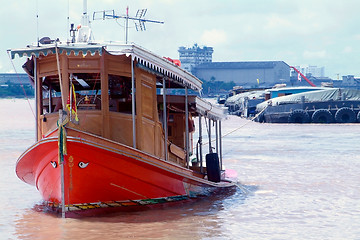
[(307, 32)]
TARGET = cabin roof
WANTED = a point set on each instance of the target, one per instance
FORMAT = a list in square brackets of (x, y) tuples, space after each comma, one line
[(144, 58)]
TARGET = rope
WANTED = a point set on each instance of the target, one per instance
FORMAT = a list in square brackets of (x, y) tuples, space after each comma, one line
[(22, 86), (243, 189), (60, 79), (62, 139), (240, 126)]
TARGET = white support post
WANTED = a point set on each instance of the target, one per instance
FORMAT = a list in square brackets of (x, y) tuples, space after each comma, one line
[(186, 127), (200, 143), (133, 108), (220, 142), (36, 100), (165, 120), (216, 136), (210, 148)]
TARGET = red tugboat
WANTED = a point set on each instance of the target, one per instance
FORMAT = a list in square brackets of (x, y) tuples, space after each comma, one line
[(109, 133)]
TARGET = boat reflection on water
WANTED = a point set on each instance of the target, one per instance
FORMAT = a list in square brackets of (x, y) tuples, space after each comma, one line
[(185, 220)]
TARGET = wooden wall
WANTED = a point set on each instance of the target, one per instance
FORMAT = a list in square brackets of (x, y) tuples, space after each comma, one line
[(112, 125)]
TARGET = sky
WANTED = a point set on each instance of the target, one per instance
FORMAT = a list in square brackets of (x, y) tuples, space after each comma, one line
[(319, 33)]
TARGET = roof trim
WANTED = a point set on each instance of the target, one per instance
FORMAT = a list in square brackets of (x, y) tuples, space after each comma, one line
[(51, 49), (142, 56), (158, 64)]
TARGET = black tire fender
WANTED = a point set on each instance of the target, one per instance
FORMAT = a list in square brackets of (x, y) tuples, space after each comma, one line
[(322, 116), (299, 116), (345, 115), (213, 167), (261, 118)]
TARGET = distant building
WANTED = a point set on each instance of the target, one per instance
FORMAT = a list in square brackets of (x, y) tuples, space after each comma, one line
[(14, 78), (317, 72), (191, 57), (318, 81), (198, 61), (255, 74), (260, 74), (15, 85), (350, 81)]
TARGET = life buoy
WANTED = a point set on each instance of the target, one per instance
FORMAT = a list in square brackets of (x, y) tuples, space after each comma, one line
[(298, 116), (345, 115), (322, 116)]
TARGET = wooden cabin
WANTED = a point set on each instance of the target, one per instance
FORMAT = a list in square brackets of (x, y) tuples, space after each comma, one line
[(104, 102)]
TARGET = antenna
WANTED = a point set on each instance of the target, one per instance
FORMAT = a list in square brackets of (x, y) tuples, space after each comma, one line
[(37, 22), (140, 25), (139, 19), (85, 17)]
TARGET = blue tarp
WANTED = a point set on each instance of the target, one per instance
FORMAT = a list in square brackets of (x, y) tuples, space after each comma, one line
[(327, 94)]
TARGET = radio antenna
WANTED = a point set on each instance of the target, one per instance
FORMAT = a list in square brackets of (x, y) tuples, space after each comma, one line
[(139, 19), (68, 18), (37, 22)]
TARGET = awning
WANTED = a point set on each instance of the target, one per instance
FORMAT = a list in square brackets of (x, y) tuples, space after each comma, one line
[(210, 110), (197, 106), (50, 49)]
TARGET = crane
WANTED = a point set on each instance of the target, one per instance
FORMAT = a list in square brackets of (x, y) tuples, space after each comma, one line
[(303, 76)]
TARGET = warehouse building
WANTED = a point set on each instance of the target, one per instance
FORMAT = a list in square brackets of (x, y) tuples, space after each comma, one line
[(261, 74)]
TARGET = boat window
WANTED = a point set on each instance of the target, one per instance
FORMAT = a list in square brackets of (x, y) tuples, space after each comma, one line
[(88, 90), (119, 94), (50, 94)]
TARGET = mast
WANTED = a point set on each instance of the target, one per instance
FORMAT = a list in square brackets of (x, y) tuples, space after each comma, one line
[(84, 32), (85, 18), (127, 25)]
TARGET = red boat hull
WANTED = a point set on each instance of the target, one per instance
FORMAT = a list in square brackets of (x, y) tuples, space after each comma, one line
[(101, 174)]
